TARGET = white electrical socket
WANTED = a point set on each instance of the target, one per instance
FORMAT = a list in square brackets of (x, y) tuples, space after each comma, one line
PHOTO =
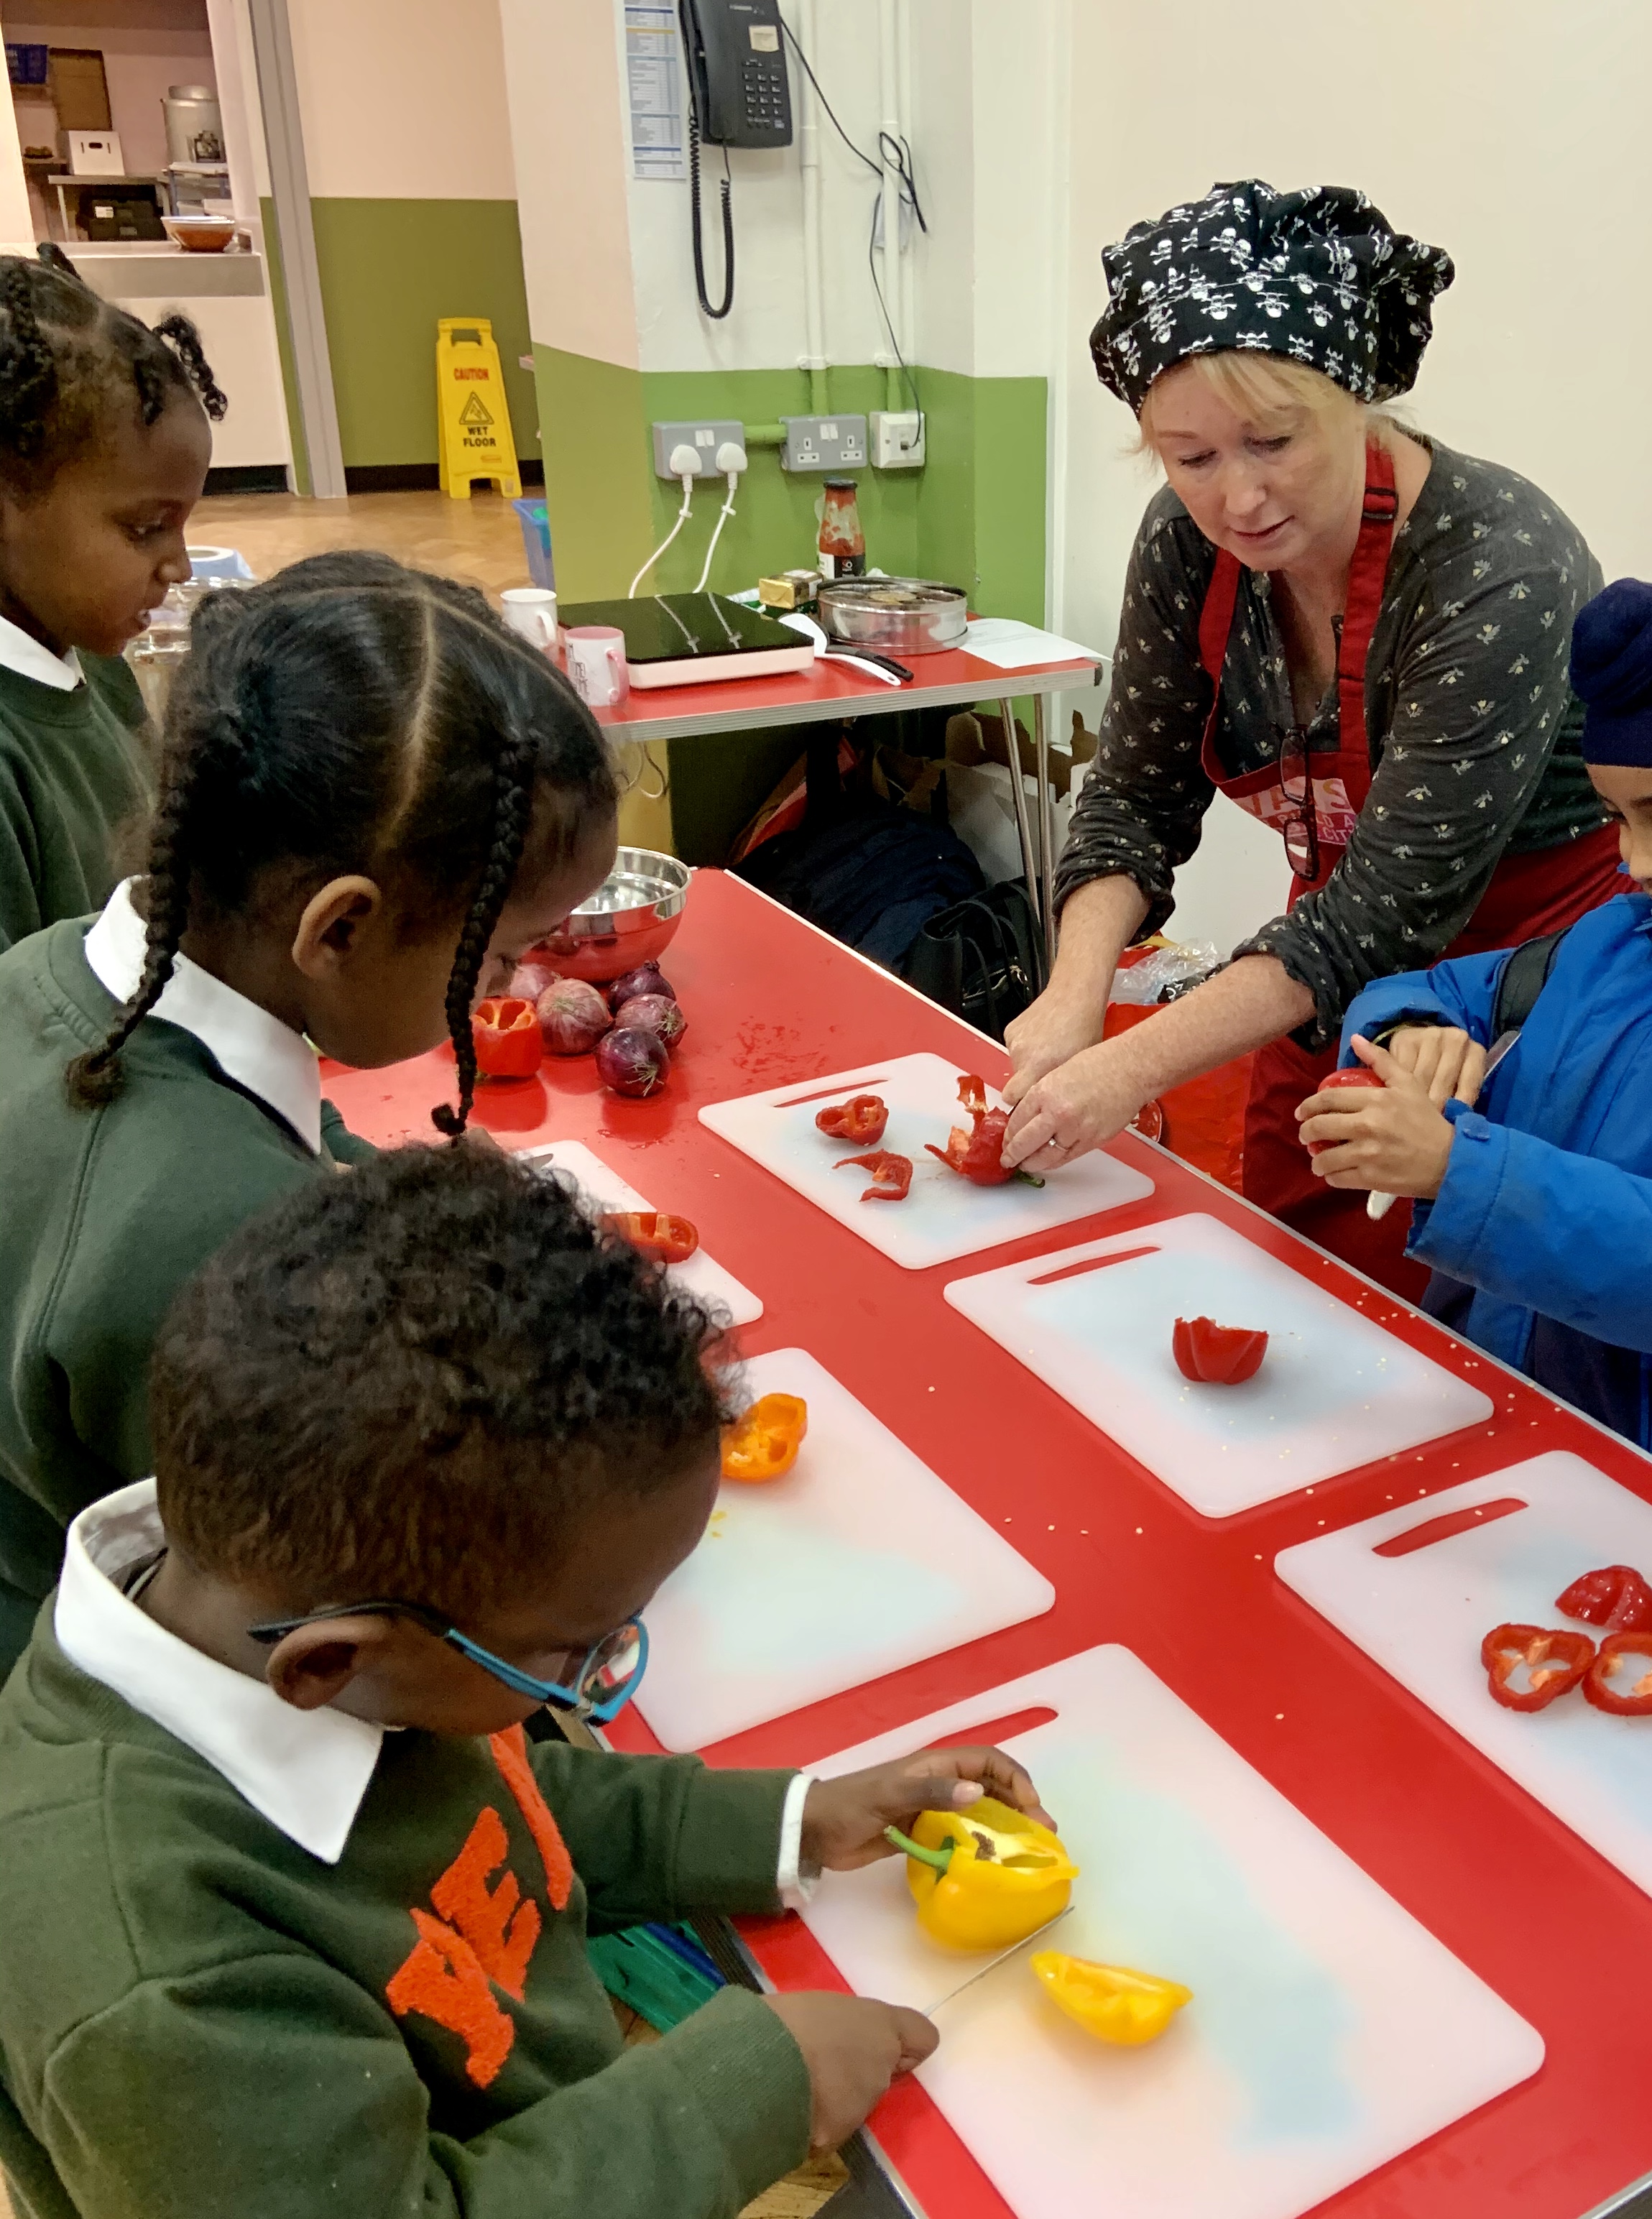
[(897, 438)]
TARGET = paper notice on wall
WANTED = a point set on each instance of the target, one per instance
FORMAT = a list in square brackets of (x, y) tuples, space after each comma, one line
[(654, 80)]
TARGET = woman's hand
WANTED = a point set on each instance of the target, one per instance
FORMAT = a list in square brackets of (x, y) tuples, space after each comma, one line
[(1050, 1031), (1444, 1057), (1396, 1141), (1075, 1108), (843, 1820)]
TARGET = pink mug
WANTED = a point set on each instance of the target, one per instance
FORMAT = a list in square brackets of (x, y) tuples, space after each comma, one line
[(596, 663)]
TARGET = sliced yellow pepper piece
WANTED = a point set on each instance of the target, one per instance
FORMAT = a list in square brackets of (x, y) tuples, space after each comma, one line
[(984, 1878), (1110, 2001)]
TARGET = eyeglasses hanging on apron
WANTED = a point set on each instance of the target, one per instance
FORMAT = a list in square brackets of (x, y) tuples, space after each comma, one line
[(1313, 798)]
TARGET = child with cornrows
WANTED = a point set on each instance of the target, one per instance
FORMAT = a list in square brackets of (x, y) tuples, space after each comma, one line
[(104, 444), (373, 796)]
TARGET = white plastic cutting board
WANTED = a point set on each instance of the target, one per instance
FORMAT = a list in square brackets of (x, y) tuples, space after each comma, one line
[(1328, 2033), (1334, 1390), (943, 1216), (857, 1562), (605, 1188), (1422, 1614)]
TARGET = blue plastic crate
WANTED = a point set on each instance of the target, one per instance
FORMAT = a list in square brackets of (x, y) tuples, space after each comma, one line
[(534, 520)]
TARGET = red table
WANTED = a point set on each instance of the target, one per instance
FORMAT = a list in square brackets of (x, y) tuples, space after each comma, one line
[(1553, 1928)]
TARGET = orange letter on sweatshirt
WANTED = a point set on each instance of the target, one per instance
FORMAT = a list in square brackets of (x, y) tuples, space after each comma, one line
[(442, 1980), (498, 1925)]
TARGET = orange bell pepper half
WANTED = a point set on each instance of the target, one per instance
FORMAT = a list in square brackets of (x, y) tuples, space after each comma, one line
[(663, 1239), (509, 1043), (763, 1441)]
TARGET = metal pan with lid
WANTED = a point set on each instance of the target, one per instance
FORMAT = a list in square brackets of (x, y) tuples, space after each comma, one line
[(894, 616)]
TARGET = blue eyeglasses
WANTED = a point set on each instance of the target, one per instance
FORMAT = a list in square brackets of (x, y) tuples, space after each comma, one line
[(600, 1690)]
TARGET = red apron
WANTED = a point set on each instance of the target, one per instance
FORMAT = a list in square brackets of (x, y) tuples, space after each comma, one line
[(1527, 895)]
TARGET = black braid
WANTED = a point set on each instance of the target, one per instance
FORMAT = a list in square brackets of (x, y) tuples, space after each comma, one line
[(28, 373), (513, 787), (96, 1078), (181, 336)]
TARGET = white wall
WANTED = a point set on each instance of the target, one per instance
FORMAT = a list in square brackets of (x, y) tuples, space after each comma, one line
[(1514, 132)]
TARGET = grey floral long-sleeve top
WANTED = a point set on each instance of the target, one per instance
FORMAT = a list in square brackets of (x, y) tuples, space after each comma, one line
[(1472, 725)]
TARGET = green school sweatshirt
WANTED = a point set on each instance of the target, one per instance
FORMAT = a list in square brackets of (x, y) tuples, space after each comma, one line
[(104, 1214), (197, 2016), (75, 773)]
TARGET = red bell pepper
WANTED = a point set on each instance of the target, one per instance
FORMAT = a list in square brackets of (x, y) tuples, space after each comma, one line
[(508, 1041), (1356, 1074), (892, 1175), (1616, 1597), (1597, 1688), (1556, 1660), (1213, 1355), (663, 1239), (976, 1154), (861, 1119)]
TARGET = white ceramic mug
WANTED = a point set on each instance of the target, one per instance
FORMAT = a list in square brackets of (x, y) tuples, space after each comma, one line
[(596, 663), (532, 611)]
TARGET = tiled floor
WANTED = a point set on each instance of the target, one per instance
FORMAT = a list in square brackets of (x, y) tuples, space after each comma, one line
[(479, 540)]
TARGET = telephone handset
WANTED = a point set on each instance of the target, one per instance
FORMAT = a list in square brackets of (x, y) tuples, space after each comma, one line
[(739, 95)]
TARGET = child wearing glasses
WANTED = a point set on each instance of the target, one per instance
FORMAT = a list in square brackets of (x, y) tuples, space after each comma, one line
[(1533, 1172), (292, 1917)]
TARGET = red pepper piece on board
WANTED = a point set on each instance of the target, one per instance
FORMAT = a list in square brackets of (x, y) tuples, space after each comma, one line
[(892, 1175), (1356, 1074), (508, 1040), (1556, 1660), (663, 1239), (1635, 1701), (861, 1119), (977, 1155), (1213, 1355), (1616, 1597)]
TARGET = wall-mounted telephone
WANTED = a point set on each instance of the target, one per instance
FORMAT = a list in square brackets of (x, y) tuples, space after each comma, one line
[(739, 95)]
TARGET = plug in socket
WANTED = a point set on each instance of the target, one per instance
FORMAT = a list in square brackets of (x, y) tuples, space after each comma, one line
[(704, 437), (825, 443)]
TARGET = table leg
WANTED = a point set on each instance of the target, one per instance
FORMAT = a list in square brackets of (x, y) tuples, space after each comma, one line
[(1045, 824), (1018, 794)]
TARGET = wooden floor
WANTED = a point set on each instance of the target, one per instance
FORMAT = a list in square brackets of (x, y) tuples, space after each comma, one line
[(479, 540)]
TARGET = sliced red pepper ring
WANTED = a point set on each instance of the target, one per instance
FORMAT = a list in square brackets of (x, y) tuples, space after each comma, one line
[(661, 1238), (1213, 1355), (861, 1119), (1616, 1597), (1633, 1702), (892, 1175), (1556, 1659), (508, 1041), (977, 1153)]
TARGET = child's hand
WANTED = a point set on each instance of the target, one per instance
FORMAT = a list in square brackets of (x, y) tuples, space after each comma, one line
[(854, 2048), (1445, 1058), (1396, 1141), (843, 1820)]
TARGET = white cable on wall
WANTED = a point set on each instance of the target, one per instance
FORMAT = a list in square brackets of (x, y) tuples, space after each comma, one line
[(685, 462), (731, 459)]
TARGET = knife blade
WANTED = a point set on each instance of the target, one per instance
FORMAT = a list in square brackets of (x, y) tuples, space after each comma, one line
[(980, 1974)]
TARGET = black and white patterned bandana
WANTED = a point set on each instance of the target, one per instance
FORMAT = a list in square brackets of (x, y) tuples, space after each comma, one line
[(1320, 277)]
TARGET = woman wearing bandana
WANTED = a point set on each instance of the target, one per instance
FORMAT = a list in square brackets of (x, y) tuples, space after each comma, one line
[(1352, 632)]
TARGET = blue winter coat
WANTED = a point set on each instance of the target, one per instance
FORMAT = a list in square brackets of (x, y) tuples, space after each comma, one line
[(1541, 1235)]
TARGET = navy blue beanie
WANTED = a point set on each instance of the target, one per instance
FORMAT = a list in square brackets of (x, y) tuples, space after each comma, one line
[(1612, 674)]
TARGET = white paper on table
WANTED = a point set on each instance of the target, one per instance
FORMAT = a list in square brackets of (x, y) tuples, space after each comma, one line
[(1009, 644)]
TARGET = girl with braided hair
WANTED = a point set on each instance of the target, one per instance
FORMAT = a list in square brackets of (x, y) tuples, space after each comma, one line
[(373, 797), (104, 443)]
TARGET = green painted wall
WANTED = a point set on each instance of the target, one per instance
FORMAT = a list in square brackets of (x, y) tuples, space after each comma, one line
[(973, 515)]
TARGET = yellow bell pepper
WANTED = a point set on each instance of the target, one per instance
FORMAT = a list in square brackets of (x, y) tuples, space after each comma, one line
[(984, 1878), (1110, 2001)]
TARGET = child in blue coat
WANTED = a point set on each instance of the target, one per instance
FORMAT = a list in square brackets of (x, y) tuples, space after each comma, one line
[(1533, 1189)]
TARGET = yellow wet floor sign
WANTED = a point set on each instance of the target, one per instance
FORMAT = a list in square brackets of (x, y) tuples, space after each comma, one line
[(473, 421)]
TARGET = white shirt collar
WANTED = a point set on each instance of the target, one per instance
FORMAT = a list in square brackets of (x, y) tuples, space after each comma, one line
[(257, 1051), (305, 1771), (32, 658)]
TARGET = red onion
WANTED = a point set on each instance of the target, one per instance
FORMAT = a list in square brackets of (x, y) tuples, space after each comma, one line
[(531, 978), (632, 1061), (656, 1013), (647, 978), (573, 1016)]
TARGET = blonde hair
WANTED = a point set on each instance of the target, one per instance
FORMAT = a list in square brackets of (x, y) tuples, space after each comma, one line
[(1274, 394)]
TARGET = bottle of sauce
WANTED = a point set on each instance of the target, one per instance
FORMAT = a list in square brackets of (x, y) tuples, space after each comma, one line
[(842, 543)]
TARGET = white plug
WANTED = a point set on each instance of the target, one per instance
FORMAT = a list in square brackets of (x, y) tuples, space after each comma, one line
[(731, 458), (685, 460)]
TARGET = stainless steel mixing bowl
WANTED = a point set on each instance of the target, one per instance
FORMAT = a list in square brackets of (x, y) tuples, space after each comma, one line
[(894, 616), (631, 918)]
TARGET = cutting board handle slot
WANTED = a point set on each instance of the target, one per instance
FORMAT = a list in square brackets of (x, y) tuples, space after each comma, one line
[(996, 1730), (1442, 1529), (838, 1093), (1093, 1264)]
